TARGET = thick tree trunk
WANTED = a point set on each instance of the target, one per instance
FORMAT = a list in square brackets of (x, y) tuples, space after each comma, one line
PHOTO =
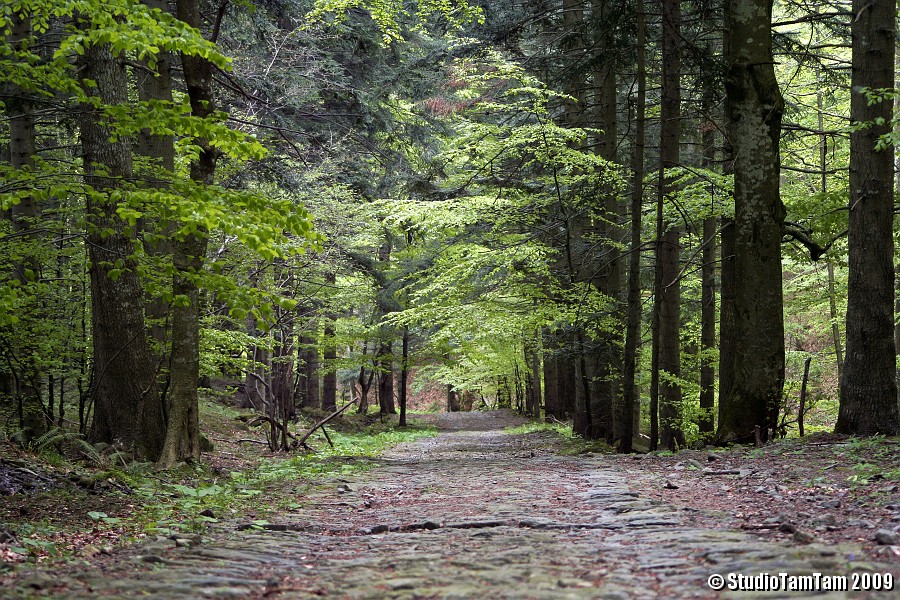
[(312, 397), (386, 379), (754, 107), (669, 236), (551, 377), (127, 406), (156, 84), (606, 397), (868, 402), (34, 418)]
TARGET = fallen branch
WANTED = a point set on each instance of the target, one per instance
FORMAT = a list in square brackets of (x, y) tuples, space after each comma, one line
[(253, 442), (301, 441), (723, 472)]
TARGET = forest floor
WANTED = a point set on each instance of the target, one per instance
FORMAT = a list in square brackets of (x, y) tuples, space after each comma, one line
[(482, 510)]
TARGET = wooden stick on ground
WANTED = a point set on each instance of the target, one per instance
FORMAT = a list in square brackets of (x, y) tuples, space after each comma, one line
[(322, 422)]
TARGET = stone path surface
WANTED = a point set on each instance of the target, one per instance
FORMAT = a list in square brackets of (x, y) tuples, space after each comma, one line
[(473, 513)]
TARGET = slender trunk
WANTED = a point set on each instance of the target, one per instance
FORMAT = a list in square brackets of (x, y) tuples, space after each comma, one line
[(708, 298), (404, 374), (183, 435), (551, 377), (631, 396), (823, 187), (669, 237), (329, 378), (868, 400)]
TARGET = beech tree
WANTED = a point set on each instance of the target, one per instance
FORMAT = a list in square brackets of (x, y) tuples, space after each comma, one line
[(753, 108)]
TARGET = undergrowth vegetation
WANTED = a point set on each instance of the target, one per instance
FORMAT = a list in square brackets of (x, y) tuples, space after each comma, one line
[(95, 499)]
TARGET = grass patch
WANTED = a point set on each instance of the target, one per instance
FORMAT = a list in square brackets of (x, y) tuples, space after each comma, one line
[(110, 501), (567, 441)]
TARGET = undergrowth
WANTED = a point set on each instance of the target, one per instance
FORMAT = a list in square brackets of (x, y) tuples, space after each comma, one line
[(136, 501)]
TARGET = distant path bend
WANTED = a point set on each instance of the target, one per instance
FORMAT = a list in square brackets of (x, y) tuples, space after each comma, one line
[(472, 513)]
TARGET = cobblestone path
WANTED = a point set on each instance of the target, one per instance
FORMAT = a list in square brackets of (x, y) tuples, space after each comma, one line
[(473, 513)]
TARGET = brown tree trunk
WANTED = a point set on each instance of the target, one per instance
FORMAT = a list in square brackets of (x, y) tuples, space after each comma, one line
[(34, 418), (606, 397), (127, 406), (631, 397), (753, 107), (708, 298), (312, 396), (386, 379), (329, 378), (551, 378), (404, 375), (669, 237), (183, 434), (868, 392), (155, 83)]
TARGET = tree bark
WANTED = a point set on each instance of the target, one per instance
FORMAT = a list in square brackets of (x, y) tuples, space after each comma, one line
[(708, 299), (183, 434), (868, 391), (386, 379), (631, 397), (404, 376), (127, 406), (753, 108), (329, 378), (34, 418), (669, 238)]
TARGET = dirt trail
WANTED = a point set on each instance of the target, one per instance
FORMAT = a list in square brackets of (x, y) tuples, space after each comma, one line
[(473, 513)]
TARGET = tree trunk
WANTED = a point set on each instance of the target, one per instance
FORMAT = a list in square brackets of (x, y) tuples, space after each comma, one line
[(127, 406), (34, 419), (386, 379), (404, 375), (329, 378), (156, 84), (551, 377), (182, 437), (868, 400), (669, 237), (754, 107), (631, 398), (312, 395), (708, 297)]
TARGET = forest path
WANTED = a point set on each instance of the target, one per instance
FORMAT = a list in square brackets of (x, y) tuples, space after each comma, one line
[(475, 512)]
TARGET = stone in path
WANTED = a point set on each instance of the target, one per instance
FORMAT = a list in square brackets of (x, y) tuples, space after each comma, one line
[(472, 513)]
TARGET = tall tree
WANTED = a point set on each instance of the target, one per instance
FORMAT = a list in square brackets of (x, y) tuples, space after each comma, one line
[(753, 109), (24, 356), (668, 244), (631, 396), (868, 388), (183, 423), (127, 406)]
